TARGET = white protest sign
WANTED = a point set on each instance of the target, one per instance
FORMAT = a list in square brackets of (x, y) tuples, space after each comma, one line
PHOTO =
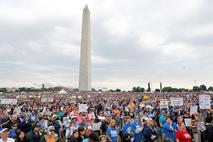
[(101, 118), (82, 107), (47, 100), (164, 103), (176, 101), (79, 97), (188, 122), (65, 121), (8, 101), (204, 102), (193, 109)]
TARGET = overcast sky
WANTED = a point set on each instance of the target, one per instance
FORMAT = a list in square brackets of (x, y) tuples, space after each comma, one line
[(133, 42)]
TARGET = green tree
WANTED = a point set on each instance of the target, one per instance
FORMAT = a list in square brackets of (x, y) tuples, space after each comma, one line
[(210, 88), (118, 90), (196, 89), (203, 87), (4, 90), (138, 89)]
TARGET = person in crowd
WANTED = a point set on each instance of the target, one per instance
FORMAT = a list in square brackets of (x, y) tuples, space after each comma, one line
[(102, 138), (50, 135), (209, 129), (112, 133), (75, 136), (33, 135), (137, 127), (149, 132), (162, 121), (182, 134), (128, 128), (70, 129), (4, 136), (82, 132), (21, 137), (170, 129), (13, 131)]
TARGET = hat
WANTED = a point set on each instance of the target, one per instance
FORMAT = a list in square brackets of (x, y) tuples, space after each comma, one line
[(51, 128), (162, 113), (54, 116), (146, 118), (3, 130)]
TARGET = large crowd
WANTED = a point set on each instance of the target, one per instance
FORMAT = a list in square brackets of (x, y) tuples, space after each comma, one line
[(104, 117)]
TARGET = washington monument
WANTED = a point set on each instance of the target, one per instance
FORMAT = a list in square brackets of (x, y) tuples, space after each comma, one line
[(85, 57)]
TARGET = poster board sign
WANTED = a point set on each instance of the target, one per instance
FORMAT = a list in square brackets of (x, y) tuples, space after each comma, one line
[(8, 101), (82, 107), (188, 122), (146, 97), (204, 102), (66, 121), (176, 101), (164, 103), (193, 109), (47, 100)]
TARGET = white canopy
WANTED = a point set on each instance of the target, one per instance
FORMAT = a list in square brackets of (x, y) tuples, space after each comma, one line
[(62, 92)]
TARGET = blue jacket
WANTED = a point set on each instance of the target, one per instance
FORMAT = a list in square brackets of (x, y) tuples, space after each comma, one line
[(128, 129), (170, 130), (162, 121)]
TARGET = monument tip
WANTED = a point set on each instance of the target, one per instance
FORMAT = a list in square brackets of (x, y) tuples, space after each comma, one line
[(86, 7)]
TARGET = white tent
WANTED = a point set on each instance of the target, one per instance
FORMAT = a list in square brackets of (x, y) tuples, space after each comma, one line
[(62, 92)]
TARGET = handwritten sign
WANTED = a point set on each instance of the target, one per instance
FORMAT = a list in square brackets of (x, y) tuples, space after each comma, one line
[(164, 103), (193, 109), (82, 107), (176, 101), (47, 99), (188, 122), (8, 101), (204, 102)]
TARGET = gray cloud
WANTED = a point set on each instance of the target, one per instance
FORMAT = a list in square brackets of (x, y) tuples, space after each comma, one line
[(132, 43)]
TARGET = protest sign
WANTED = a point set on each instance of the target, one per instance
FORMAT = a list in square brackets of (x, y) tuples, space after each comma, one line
[(66, 121), (8, 101), (188, 122), (82, 107), (204, 102), (193, 109), (176, 101), (163, 103), (47, 100), (146, 97)]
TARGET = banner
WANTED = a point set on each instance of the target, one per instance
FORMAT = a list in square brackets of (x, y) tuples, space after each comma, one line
[(193, 109), (176, 101), (164, 103), (47, 100), (204, 102), (8, 101), (82, 107)]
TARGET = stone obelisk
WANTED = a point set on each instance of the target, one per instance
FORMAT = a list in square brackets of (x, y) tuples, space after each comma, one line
[(85, 57)]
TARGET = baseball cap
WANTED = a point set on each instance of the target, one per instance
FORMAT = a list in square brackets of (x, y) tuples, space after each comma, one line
[(4, 130)]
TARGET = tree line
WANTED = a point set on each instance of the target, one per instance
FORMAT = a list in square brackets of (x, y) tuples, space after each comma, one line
[(134, 89)]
